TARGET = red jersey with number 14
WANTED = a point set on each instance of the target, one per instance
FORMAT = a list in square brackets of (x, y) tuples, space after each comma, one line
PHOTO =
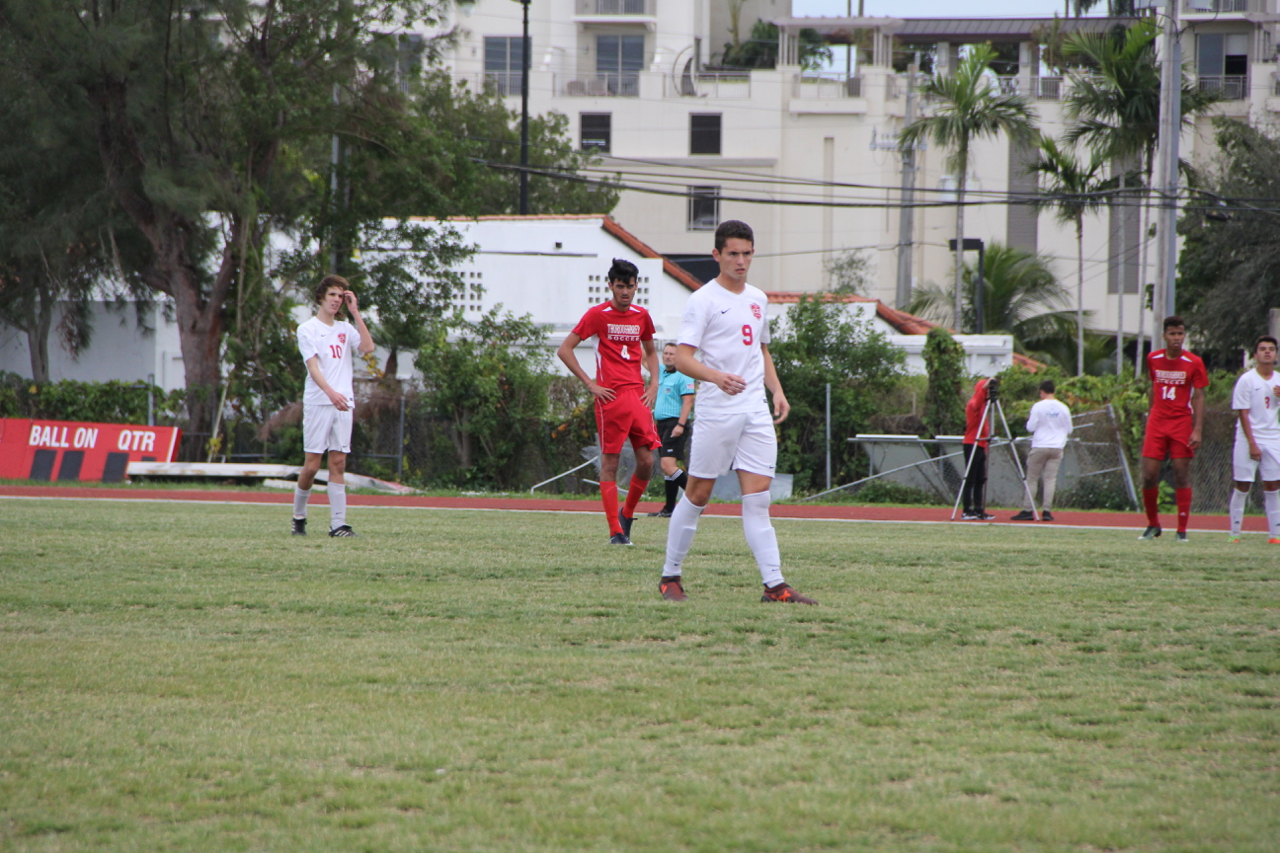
[(1172, 381), (618, 338)]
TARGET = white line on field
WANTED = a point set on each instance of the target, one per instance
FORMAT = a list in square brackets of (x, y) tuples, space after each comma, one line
[(1023, 525)]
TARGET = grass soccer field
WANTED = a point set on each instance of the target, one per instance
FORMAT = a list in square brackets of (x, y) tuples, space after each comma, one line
[(181, 676)]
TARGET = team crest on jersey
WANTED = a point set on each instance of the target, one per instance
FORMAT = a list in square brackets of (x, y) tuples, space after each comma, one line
[(342, 337), (755, 310)]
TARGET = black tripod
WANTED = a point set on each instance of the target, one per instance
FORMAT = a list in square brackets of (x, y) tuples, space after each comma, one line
[(992, 408)]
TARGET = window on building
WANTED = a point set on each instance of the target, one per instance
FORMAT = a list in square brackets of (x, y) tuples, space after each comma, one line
[(504, 63), (619, 60), (1222, 61), (597, 131), (704, 133), (704, 208)]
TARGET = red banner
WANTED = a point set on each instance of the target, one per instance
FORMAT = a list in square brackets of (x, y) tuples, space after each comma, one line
[(71, 450)]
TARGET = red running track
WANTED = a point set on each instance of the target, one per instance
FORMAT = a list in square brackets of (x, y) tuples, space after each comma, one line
[(1132, 520)]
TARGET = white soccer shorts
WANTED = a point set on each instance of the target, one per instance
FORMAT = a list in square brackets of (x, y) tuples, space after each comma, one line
[(735, 442), (325, 428), (1244, 467)]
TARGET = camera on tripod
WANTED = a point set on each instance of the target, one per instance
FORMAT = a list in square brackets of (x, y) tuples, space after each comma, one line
[(993, 389)]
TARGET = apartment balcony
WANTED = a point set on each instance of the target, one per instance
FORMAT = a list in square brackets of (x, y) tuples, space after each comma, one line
[(1227, 88), (597, 85), (712, 85), (617, 12), (505, 83), (1047, 88), (1219, 7), (825, 85)]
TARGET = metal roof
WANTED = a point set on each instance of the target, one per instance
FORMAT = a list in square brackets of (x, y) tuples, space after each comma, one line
[(1010, 29)]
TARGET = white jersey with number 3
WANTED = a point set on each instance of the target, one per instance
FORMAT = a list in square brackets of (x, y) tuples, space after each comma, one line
[(333, 345), (728, 328), (1258, 396)]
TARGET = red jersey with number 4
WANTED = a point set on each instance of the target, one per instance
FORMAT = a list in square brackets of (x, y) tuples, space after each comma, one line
[(618, 338), (1172, 381)]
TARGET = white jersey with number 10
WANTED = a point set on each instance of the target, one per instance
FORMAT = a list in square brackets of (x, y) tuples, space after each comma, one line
[(728, 328), (333, 345)]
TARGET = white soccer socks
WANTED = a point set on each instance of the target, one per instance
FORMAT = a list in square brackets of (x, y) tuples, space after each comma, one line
[(300, 498), (1271, 503), (337, 505), (761, 538), (1235, 509), (684, 524)]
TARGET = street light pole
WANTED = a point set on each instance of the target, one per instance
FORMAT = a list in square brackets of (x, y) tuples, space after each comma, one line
[(524, 114), (906, 213)]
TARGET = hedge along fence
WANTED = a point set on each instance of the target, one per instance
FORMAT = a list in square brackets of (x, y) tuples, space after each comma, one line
[(113, 402)]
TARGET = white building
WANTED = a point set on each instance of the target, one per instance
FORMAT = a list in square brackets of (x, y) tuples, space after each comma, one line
[(634, 78)]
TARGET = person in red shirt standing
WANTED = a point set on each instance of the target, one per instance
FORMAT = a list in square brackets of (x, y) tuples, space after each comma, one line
[(974, 491), (623, 335), (1178, 380)]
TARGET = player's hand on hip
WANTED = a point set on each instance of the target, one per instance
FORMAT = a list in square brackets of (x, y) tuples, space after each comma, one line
[(605, 394), (731, 384), (781, 408)]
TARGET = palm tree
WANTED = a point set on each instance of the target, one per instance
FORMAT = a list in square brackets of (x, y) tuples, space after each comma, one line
[(1115, 108), (1071, 188), (967, 108), (1021, 298)]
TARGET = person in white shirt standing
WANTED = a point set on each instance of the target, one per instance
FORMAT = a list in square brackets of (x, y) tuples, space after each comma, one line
[(328, 402), (726, 321), (1257, 439), (1050, 426)]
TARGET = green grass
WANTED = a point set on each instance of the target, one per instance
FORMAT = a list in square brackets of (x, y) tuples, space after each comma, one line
[(184, 677)]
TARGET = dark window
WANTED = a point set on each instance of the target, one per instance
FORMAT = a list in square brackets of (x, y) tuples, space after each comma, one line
[(597, 131), (504, 63), (704, 133), (704, 208), (619, 61)]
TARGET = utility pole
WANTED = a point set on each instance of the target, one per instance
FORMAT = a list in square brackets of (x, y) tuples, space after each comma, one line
[(1164, 299), (524, 114), (906, 213)]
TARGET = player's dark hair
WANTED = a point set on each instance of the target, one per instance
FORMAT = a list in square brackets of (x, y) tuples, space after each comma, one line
[(1175, 320), (1048, 387), (734, 229), (623, 271), (1265, 339), (327, 282)]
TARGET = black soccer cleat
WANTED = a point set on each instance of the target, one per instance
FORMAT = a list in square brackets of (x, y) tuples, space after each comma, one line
[(1180, 536), (342, 532), (299, 527), (1152, 532), (662, 513), (626, 524), (619, 539)]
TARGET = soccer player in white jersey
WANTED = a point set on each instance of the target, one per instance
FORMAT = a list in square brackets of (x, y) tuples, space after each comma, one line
[(328, 403), (726, 321), (1257, 439)]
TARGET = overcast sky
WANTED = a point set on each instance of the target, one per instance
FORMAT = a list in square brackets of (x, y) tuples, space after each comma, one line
[(935, 8)]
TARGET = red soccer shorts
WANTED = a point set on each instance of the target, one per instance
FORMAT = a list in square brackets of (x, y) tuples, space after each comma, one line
[(626, 416), (1170, 441)]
